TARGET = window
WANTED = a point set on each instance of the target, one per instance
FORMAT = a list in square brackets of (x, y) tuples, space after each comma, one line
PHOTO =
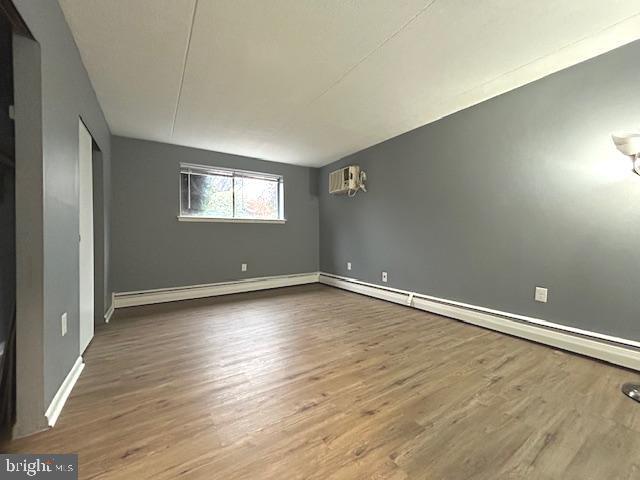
[(221, 194)]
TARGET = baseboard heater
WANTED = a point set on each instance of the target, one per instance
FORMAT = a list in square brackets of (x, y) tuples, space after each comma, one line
[(611, 349), (162, 295), (618, 351)]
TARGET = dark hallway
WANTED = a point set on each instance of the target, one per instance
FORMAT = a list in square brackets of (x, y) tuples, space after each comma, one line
[(7, 221)]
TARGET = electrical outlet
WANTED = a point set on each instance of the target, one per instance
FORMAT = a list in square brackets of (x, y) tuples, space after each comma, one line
[(63, 324), (384, 277), (541, 294), (244, 267), (348, 265)]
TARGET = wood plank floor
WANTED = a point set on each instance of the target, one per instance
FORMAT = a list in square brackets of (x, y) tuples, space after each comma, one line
[(317, 383)]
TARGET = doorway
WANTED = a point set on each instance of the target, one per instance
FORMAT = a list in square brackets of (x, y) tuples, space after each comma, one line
[(7, 225), (13, 31), (85, 238)]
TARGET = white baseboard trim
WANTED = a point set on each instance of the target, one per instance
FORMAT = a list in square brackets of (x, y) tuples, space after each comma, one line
[(604, 347), (147, 297), (60, 398), (611, 349)]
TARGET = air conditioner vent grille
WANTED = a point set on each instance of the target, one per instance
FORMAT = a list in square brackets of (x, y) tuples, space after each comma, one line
[(343, 180)]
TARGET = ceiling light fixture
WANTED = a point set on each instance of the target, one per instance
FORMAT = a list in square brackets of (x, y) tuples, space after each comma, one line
[(629, 144)]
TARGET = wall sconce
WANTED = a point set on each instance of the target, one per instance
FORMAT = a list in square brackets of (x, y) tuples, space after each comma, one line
[(629, 144)]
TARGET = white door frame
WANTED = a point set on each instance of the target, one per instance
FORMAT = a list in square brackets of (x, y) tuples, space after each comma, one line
[(85, 236)]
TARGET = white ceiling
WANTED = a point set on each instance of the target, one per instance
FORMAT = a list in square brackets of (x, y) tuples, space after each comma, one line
[(309, 81)]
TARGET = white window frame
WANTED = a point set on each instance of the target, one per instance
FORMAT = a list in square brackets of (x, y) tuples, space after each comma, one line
[(193, 169)]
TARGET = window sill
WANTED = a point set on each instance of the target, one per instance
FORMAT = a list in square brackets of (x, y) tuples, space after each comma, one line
[(182, 218)]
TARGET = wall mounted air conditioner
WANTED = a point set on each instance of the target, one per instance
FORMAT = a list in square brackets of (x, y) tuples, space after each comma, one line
[(347, 180)]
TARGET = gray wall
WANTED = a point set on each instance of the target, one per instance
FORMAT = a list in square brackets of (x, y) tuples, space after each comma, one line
[(152, 249), (101, 221), (29, 185), (522, 190), (67, 94)]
